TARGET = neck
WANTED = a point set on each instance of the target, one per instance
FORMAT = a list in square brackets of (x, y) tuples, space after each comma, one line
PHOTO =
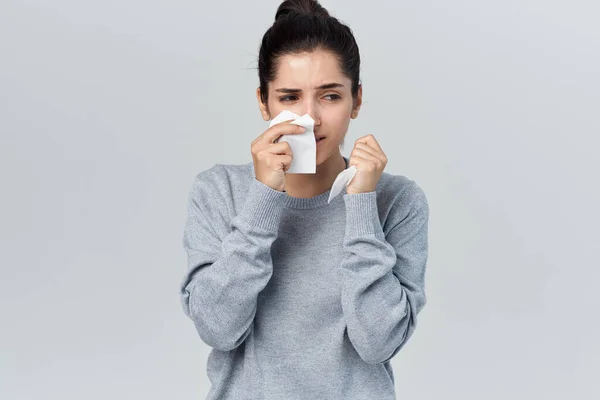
[(310, 185)]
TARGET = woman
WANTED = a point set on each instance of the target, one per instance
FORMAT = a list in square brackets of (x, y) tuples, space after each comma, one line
[(300, 298)]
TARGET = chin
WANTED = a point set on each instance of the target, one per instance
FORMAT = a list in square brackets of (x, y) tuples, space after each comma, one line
[(323, 155)]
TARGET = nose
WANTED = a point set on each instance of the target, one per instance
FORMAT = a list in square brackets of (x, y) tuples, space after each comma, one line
[(312, 109)]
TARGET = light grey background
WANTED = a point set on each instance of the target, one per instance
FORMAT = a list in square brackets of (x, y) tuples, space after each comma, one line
[(108, 109)]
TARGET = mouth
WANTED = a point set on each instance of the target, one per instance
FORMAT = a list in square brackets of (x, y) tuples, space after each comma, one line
[(318, 139)]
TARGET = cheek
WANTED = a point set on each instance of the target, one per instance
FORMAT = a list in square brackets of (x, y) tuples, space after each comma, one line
[(337, 122), (276, 107), (273, 107)]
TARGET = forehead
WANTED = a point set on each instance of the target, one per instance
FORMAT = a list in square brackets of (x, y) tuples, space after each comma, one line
[(307, 70)]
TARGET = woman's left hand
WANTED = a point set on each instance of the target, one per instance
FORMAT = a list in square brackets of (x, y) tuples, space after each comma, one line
[(370, 162)]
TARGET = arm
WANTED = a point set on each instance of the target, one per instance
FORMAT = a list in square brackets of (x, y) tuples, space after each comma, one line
[(229, 263), (383, 287)]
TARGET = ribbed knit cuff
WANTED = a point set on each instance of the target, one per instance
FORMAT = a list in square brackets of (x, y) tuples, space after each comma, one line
[(263, 206), (362, 216)]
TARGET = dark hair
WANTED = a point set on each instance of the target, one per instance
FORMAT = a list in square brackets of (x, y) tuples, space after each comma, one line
[(305, 26)]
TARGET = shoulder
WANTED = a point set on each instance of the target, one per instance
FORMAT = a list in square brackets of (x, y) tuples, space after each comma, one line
[(398, 196), (222, 184), (399, 188), (209, 182), (222, 177), (215, 194)]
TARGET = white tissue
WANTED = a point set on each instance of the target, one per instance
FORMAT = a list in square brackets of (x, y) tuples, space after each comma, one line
[(341, 181), (304, 145)]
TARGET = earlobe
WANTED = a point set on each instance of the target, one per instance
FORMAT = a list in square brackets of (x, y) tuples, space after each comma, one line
[(354, 113)]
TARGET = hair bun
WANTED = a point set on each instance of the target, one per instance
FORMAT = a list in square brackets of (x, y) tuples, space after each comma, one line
[(300, 7)]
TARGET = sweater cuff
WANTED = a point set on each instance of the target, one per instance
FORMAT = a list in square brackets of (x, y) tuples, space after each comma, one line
[(362, 216), (263, 206)]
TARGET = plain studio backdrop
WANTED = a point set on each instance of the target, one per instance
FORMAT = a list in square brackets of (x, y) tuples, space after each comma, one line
[(108, 110)]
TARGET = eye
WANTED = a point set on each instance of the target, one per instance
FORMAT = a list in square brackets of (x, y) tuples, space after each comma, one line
[(335, 96), (286, 98)]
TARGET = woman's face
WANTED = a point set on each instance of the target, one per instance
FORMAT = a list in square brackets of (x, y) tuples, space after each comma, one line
[(313, 83)]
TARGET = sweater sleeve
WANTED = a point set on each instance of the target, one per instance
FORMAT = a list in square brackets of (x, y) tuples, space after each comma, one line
[(383, 275), (229, 260)]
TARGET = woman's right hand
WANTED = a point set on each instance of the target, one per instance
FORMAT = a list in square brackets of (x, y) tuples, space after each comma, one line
[(271, 160)]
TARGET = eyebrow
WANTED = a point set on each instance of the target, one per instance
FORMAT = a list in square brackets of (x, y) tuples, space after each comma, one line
[(326, 86)]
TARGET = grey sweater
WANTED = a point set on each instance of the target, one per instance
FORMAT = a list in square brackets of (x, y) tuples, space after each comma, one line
[(298, 298)]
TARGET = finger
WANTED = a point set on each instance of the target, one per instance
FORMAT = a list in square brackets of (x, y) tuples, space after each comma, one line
[(367, 148), (278, 130), (267, 134), (280, 148), (357, 161), (280, 162), (371, 141), (366, 156), (370, 150)]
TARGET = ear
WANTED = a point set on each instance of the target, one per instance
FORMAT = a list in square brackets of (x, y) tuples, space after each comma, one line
[(264, 109), (357, 102)]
